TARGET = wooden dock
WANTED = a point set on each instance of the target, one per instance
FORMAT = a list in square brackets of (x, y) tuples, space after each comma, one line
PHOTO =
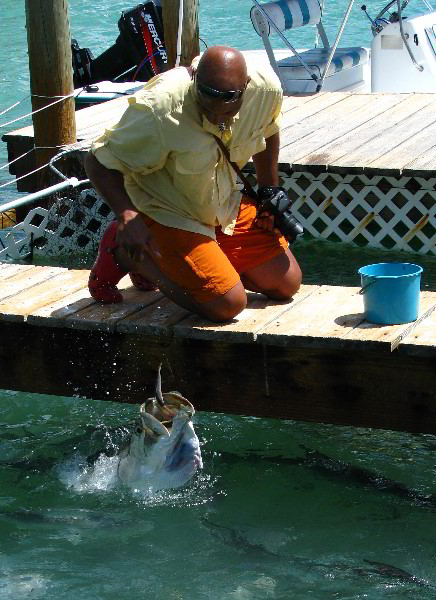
[(341, 132), (359, 167), (314, 358)]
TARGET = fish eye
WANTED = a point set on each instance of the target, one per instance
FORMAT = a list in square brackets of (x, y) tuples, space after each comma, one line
[(138, 429)]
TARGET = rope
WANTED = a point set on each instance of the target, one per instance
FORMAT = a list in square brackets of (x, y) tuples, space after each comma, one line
[(60, 99), (18, 158), (22, 176), (67, 148), (179, 34), (14, 105)]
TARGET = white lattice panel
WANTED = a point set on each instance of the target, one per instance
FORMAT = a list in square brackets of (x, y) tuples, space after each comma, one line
[(381, 212), (71, 225)]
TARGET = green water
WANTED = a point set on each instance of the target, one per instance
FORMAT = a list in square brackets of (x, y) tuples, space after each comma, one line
[(281, 510), (277, 511), (330, 263)]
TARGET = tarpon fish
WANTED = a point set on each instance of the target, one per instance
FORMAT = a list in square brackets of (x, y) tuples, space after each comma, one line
[(163, 451)]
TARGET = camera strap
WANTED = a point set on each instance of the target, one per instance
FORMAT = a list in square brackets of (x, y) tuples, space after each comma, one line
[(248, 188)]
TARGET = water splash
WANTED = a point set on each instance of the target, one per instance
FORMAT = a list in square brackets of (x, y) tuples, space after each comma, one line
[(78, 475)]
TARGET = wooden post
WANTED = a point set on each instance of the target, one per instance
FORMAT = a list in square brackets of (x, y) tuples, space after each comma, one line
[(190, 35), (51, 75)]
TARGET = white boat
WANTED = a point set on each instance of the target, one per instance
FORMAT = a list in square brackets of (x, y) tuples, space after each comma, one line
[(402, 56)]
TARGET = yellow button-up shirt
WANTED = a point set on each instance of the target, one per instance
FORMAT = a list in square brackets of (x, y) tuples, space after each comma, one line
[(165, 148)]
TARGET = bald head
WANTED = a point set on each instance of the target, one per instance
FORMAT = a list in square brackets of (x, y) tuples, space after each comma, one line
[(223, 68)]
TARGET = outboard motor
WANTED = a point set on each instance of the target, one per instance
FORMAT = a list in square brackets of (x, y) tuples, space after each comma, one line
[(138, 53)]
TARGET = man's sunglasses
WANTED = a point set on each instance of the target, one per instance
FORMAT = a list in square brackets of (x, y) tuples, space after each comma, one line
[(224, 96)]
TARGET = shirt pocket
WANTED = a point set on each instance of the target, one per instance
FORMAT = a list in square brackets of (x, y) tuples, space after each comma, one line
[(255, 142), (194, 175), (195, 163)]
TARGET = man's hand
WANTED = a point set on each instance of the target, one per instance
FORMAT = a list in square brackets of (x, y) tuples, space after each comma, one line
[(134, 236), (266, 221)]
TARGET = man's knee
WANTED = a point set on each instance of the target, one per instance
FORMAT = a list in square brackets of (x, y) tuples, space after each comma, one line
[(287, 287), (227, 306)]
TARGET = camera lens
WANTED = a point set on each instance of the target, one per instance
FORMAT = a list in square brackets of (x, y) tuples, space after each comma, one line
[(290, 227)]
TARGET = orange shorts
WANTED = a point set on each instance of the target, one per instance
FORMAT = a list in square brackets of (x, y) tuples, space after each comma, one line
[(206, 268)]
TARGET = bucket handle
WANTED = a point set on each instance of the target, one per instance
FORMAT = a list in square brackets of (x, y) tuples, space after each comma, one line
[(365, 287)]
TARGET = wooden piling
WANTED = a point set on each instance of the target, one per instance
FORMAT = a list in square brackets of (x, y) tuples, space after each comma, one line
[(51, 76), (190, 35)]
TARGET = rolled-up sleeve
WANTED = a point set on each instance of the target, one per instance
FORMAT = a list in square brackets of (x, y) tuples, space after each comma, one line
[(274, 125), (133, 145)]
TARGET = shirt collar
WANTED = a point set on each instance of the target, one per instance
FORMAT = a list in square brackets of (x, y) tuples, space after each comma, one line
[(208, 126), (215, 130)]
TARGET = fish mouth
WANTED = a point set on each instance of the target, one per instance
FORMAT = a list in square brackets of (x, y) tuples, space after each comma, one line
[(174, 404)]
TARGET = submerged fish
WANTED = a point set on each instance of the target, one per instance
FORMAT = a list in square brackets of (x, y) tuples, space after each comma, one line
[(163, 450)]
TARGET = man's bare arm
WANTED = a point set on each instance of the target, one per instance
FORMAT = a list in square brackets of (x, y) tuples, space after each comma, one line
[(266, 165), (266, 162), (132, 233)]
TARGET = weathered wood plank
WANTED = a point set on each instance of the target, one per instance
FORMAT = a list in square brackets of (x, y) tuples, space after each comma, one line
[(244, 328), (396, 391), (55, 313), (321, 320), (25, 279), (339, 137), (11, 269), (369, 389), (93, 117), (413, 326), (342, 116), (157, 318), (316, 132), (401, 125), (345, 154), (307, 108), (47, 291), (295, 100), (408, 145), (105, 317), (422, 165), (422, 337), (386, 336)]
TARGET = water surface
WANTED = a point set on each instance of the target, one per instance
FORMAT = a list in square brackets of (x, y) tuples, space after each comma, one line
[(281, 510)]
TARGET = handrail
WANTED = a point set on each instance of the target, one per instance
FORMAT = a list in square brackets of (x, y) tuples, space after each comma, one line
[(72, 182), (406, 43)]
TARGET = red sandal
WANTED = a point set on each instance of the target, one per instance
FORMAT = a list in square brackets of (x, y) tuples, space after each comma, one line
[(105, 273)]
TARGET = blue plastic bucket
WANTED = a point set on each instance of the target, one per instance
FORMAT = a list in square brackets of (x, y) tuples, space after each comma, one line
[(390, 292)]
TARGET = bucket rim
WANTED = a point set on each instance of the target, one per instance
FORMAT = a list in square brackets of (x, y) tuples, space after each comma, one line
[(418, 270)]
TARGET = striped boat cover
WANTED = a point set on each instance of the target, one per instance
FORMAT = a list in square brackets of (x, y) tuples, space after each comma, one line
[(288, 14)]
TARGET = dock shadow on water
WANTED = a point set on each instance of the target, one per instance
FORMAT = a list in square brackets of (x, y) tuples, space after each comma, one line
[(280, 510)]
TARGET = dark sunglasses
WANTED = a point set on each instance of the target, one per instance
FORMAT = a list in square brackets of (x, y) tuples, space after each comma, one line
[(224, 96)]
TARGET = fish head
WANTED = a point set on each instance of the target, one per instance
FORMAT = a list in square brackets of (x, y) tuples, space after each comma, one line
[(166, 411), (163, 451), (146, 433)]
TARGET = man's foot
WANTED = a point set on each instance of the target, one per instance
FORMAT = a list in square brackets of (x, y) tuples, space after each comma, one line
[(105, 273), (142, 283)]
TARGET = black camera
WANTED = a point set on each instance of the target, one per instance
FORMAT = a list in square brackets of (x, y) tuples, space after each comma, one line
[(275, 200)]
